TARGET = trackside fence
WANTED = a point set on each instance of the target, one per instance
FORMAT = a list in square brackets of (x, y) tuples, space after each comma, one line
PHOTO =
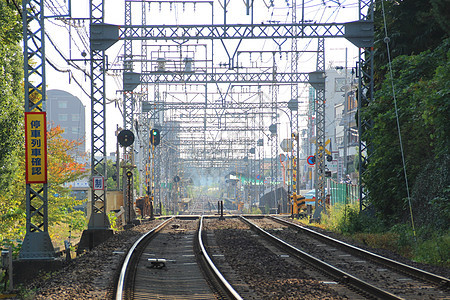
[(344, 193)]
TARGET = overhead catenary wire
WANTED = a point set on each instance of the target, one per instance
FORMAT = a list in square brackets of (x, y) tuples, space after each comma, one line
[(83, 36), (391, 77)]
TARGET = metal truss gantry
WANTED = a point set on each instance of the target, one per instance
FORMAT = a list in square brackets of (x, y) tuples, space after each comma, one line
[(242, 77), (353, 31), (37, 244), (127, 163), (359, 32), (294, 161), (144, 121)]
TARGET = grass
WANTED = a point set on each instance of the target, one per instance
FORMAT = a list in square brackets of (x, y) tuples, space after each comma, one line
[(427, 246)]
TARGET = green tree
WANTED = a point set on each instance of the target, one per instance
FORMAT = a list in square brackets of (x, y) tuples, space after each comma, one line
[(413, 26), (111, 184), (421, 84), (62, 168), (11, 97)]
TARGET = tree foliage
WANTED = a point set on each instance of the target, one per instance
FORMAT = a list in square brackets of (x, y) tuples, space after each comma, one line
[(421, 84), (11, 97), (62, 168), (412, 27)]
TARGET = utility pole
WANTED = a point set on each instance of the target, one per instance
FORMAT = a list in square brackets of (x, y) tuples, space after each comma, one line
[(346, 118)]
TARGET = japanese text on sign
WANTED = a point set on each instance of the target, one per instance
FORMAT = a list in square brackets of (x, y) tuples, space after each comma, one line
[(98, 183), (36, 147)]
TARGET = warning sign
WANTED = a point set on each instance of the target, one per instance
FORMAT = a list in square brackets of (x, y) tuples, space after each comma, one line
[(35, 147)]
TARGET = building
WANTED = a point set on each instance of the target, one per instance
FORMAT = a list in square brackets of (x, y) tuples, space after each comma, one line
[(67, 111)]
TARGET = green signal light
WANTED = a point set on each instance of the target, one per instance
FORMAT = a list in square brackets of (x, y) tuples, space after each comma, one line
[(155, 138)]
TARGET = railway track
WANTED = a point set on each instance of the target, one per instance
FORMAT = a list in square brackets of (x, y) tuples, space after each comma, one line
[(197, 258), (260, 270), (170, 262), (383, 278)]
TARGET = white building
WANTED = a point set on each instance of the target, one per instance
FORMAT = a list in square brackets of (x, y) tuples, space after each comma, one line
[(340, 109)]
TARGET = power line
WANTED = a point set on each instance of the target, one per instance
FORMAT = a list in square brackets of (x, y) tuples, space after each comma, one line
[(391, 73)]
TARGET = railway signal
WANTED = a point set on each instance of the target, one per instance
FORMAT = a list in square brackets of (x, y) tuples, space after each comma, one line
[(155, 137), (125, 138)]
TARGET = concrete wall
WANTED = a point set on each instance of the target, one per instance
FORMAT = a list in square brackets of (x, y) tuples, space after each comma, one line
[(114, 200)]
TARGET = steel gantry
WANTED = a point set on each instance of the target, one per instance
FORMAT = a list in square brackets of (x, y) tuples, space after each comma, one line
[(128, 161), (240, 76), (359, 32), (98, 227), (294, 110), (37, 243), (351, 30), (144, 121)]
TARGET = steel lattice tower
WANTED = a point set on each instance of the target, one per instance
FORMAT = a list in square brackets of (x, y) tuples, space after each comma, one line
[(294, 113), (319, 84), (365, 96), (37, 243), (98, 219), (128, 117)]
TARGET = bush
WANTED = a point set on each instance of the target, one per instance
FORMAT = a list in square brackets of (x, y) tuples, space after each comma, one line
[(434, 251), (347, 219), (113, 221), (379, 240), (430, 195), (15, 244), (256, 211), (427, 245), (335, 216), (405, 237)]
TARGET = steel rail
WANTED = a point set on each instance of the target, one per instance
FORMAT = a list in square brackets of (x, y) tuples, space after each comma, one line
[(225, 285), (323, 266), (398, 266), (131, 252)]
